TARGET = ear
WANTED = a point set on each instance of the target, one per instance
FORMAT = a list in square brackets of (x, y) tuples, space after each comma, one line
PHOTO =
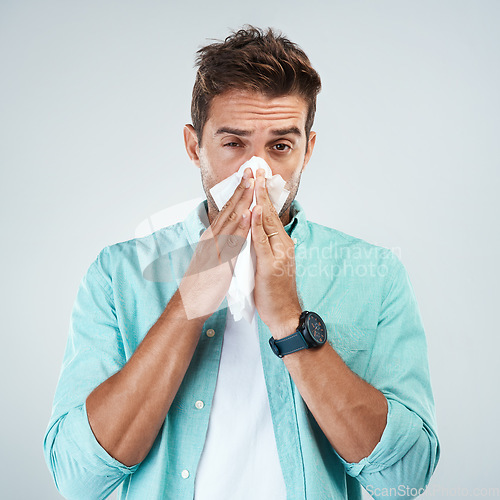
[(191, 143), (311, 143)]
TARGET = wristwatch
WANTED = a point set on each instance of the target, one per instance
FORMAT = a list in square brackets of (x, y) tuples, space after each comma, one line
[(311, 332)]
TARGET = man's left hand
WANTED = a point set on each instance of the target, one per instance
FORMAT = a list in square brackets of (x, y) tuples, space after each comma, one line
[(275, 292)]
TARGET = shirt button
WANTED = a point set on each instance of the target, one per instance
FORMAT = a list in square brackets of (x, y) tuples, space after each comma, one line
[(199, 404), (294, 241), (185, 474), (210, 332)]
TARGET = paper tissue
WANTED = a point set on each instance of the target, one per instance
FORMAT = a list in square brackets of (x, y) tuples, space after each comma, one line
[(240, 293)]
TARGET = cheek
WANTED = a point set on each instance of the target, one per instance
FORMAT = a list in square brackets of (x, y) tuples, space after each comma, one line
[(290, 175), (216, 168)]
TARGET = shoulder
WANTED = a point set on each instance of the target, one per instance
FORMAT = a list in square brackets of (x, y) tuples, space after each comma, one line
[(135, 254)]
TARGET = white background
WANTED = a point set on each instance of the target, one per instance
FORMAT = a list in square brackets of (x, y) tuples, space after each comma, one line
[(93, 98)]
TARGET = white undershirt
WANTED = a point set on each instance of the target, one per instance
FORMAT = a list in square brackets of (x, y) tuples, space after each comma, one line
[(240, 457)]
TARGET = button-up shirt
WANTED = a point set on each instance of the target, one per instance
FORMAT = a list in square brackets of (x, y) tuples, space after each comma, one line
[(240, 445), (361, 291)]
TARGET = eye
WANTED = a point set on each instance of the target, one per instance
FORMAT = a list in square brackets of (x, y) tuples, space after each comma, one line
[(231, 144), (282, 147)]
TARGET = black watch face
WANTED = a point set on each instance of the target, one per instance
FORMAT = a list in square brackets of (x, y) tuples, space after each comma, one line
[(316, 328)]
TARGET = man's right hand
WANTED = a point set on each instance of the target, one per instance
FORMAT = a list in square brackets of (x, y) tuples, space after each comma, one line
[(127, 410), (209, 274)]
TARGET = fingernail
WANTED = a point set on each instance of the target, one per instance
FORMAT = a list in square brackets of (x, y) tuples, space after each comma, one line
[(248, 183)]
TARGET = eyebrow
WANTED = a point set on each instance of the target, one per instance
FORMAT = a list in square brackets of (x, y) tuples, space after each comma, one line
[(246, 133)]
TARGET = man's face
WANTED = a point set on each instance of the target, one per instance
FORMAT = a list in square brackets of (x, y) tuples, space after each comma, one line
[(243, 124)]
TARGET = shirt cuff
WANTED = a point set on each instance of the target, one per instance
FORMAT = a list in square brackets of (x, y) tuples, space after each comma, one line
[(85, 448), (401, 432)]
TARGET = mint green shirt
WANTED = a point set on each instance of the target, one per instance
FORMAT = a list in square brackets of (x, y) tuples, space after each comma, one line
[(363, 294)]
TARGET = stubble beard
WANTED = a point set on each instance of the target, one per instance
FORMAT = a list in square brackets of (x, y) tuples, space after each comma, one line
[(207, 181), (293, 188)]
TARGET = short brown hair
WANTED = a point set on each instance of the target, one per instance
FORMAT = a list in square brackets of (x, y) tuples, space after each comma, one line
[(251, 59)]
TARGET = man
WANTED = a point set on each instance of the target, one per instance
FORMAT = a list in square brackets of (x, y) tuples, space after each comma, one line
[(163, 393)]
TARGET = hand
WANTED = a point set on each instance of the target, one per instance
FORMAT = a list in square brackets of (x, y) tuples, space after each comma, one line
[(275, 292), (209, 273)]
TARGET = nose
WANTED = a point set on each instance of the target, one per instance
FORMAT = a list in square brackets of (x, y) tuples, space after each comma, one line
[(261, 153)]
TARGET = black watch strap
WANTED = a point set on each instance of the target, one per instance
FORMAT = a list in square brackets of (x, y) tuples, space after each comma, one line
[(292, 343)]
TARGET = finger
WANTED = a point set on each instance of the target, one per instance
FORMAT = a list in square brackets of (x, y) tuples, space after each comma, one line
[(270, 218), (227, 210), (221, 248), (233, 234), (233, 219), (260, 241), (232, 244), (262, 196), (210, 244)]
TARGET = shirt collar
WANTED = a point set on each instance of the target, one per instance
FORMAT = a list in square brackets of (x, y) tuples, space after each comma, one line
[(197, 222)]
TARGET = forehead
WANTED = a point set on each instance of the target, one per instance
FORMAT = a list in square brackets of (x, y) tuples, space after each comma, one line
[(256, 110)]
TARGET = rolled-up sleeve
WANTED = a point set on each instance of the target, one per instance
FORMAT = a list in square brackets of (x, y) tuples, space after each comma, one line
[(407, 454), (80, 466)]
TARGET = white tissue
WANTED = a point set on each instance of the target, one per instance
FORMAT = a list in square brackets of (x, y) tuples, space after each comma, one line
[(240, 294)]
